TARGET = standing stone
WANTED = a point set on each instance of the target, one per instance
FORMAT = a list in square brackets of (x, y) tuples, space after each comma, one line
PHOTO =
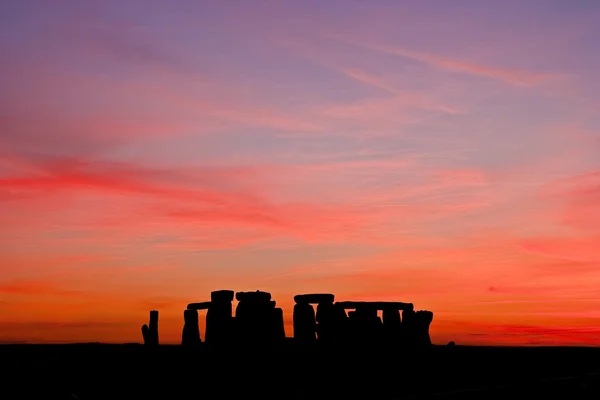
[(254, 318), (423, 320), (326, 322), (305, 326), (146, 334), (150, 331), (409, 328), (369, 324), (154, 327), (278, 325), (191, 330), (392, 328), (219, 323)]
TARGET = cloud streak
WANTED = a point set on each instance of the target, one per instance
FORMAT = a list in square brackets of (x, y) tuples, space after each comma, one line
[(507, 75)]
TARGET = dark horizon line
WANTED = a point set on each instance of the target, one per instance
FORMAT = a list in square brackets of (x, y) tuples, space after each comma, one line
[(289, 338)]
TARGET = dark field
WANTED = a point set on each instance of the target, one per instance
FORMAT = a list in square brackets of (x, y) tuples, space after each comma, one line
[(172, 372)]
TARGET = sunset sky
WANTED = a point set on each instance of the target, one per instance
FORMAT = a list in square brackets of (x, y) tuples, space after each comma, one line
[(444, 153)]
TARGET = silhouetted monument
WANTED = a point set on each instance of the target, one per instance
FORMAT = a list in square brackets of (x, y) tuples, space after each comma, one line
[(259, 322), (150, 331)]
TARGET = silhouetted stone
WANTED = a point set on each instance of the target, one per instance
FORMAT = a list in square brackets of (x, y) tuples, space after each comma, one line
[(339, 320), (278, 325), (326, 322), (191, 330), (253, 296), (146, 334), (391, 317), (377, 305), (153, 327), (305, 326), (423, 320), (221, 295), (254, 318), (314, 298), (367, 324), (409, 328), (199, 306), (219, 323), (392, 326), (150, 331)]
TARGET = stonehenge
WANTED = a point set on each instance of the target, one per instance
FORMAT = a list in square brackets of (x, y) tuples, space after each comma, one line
[(317, 319)]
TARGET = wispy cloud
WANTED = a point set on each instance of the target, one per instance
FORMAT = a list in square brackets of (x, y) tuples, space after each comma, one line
[(26, 287), (508, 75)]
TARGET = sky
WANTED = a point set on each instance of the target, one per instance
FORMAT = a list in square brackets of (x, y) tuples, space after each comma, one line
[(441, 153)]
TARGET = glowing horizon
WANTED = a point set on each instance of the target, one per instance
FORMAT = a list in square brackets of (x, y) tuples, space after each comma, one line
[(441, 154)]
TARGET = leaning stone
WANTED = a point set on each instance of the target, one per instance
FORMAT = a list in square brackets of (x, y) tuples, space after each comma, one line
[(146, 334)]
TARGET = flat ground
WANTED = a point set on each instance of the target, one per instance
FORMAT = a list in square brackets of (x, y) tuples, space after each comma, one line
[(99, 371)]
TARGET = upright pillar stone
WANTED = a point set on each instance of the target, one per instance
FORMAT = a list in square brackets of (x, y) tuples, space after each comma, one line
[(219, 323), (368, 323), (278, 325), (409, 328), (254, 318), (340, 325), (150, 331), (325, 318), (423, 320), (191, 330), (305, 325), (392, 326)]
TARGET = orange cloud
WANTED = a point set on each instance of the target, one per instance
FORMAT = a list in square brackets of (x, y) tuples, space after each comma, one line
[(28, 287)]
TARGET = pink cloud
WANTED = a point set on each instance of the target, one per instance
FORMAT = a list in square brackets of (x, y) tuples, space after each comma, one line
[(174, 200), (565, 248), (512, 76)]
